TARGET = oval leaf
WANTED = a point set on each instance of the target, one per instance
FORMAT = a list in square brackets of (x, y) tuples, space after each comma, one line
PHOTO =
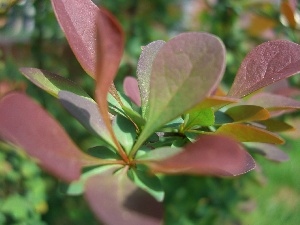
[(147, 182), (264, 65), (144, 68), (271, 152), (51, 82), (131, 89), (86, 112), (185, 70), (209, 155), (109, 51), (78, 21), (248, 133), (273, 102), (116, 200), (27, 125), (243, 113)]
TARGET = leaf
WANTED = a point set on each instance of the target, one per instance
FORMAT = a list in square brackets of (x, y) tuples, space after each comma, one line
[(109, 51), (116, 200), (147, 182), (276, 125), (264, 65), (158, 154), (209, 155), (204, 117), (131, 89), (273, 102), (222, 118), (77, 186), (215, 101), (86, 112), (78, 21), (125, 131), (103, 152), (185, 70), (248, 133), (270, 152), (288, 10), (51, 82), (144, 68), (25, 124), (242, 113)]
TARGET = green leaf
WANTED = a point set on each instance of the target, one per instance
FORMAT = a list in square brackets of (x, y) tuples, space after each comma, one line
[(248, 133), (276, 125), (16, 206), (242, 113), (144, 69), (159, 154), (215, 102), (196, 118), (222, 118), (185, 70), (103, 152), (125, 132), (148, 182), (52, 83)]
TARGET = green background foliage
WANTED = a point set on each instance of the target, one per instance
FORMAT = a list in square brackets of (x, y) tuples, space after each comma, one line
[(269, 195)]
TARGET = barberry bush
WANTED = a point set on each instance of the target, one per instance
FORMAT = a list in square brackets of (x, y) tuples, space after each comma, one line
[(173, 119)]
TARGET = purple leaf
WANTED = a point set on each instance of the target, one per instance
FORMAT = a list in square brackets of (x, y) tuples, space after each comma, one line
[(131, 89), (116, 200), (86, 112), (25, 124), (77, 18), (109, 47), (186, 69), (144, 69), (273, 102), (209, 155), (264, 65), (271, 152)]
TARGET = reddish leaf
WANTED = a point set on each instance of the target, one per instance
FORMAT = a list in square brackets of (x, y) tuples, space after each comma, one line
[(109, 46), (86, 112), (248, 133), (115, 200), (185, 71), (27, 125), (78, 20), (273, 102), (271, 152), (209, 155), (131, 89), (264, 65)]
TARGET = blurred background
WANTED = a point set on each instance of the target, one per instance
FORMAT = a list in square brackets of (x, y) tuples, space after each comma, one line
[(30, 37)]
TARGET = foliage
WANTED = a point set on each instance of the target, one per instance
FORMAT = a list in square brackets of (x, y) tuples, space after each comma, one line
[(177, 125)]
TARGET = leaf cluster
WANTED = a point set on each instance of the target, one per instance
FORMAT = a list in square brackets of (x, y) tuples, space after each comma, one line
[(172, 119)]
